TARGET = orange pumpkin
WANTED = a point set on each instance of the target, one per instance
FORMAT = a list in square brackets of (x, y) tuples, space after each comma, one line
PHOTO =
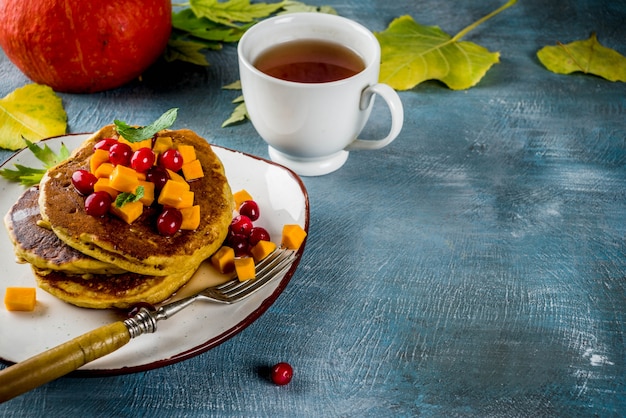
[(84, 46)]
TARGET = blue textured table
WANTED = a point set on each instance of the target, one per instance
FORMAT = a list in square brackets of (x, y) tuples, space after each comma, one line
[(475, 267)]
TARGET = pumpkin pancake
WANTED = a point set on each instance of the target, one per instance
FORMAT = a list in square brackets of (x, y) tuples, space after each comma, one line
[(137, 247), (35, 244), (110, 291)]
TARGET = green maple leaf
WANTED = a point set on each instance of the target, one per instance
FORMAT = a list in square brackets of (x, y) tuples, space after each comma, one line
[(587, 56), (206, 29), (290, 6), (32, 112), (412, 53), (29, 176), (188, 51), (232, 10)]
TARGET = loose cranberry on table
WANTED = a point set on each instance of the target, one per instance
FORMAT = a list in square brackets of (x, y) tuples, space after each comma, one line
[(281, 373)]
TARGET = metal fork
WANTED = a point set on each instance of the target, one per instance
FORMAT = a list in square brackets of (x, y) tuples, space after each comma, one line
[(234, 290), (62, 359)]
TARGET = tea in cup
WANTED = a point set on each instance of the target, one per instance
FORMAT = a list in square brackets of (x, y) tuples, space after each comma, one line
[(309, 82)]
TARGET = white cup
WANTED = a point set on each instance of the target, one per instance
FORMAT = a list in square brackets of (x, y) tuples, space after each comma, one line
[(310, 127)]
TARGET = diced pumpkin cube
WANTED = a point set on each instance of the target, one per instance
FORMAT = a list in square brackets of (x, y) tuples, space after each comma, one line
[(148, 192), (146, 143), (141, 176), (104, 170), (162, 144), (104, 184), (244, 267), (188, 152), (128, 212), (293, 236), (191, 218), (240, 197), (192, 170), (20, 298), (262, 249), (176, 177), (224, 259), (98, 157), (176, 195), (124, 179), (186, 200)]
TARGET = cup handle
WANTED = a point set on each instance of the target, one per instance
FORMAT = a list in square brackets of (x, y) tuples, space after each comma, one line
[(390, 96)]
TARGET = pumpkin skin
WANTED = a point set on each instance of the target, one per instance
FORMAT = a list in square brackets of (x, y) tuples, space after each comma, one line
[(84, 46)]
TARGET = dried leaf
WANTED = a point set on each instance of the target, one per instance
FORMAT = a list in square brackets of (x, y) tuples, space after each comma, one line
[(587, 56), (412, 53), (187, 51), (240, 114), (32, 112)]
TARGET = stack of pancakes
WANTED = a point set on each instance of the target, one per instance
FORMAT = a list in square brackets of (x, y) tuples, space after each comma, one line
[(105, 262)]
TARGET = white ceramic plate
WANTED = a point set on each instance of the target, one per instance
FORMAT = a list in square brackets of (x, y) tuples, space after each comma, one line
[(282, 199)]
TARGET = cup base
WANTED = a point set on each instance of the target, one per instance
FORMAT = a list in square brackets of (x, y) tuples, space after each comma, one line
[(309, 166)]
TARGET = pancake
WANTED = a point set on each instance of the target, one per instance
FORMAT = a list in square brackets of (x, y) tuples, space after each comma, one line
[(110, 291), (40, 246), (138, 247)]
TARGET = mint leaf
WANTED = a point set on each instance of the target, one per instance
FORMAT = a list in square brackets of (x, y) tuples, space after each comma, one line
[(124, 198), (29, 176), (139, 134)]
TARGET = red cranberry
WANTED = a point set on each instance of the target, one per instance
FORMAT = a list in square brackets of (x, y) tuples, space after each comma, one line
[(83, 181), (281, 373), (242, 225), (105, 144), (250, 209), (98, 203), (258, 234), (171, 159), (120, 154), (142, 160), (239, 243), (157, 175), (169, 221)]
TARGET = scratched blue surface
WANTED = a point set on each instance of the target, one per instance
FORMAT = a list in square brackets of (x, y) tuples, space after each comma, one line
[(475, 267)]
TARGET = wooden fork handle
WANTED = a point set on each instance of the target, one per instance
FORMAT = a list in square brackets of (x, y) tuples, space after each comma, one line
[(62, 359)]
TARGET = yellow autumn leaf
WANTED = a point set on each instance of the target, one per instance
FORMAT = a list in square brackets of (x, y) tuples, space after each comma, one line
[(33, 112), (412, 53), (586, 56)]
